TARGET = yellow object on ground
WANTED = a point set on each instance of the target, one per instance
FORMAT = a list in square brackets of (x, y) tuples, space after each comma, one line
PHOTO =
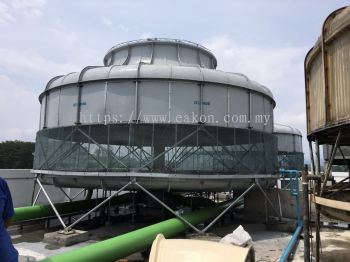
[(188, 250)]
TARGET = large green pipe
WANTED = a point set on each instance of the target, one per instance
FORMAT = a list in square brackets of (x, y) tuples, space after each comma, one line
[(42, 211), (121, 246)]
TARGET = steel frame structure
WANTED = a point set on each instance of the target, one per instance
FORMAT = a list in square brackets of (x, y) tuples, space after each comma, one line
[(319, 188), (229, 204)]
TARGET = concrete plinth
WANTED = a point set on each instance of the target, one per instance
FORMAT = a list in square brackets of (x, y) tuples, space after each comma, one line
[(256, 206), (63, 239)]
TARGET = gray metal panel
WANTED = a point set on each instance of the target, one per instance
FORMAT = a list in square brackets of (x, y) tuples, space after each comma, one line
[(120, 57), (160, 71), (259, 88), (56, 82), (121, 100), (92, 103), (42, 113), (71, 78), (123, 72), (216, 76), (285, 142), (214, 104), (298, 143), (237, 79), (268, 112), (186, 73), (52, 108), (173, 182), (154, 101), (188, 56), (68, 105), (191, 50), (95, 73), (238, 108), (261, 106), (184, 102), (205, 60), (163, 71), (257, 111), (140, 53), (165, 54)]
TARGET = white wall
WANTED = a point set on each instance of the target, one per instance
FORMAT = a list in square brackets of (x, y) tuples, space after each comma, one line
[(21, 183)]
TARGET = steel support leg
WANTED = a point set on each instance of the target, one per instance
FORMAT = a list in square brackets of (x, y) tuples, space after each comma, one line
[(77, 194), (312, 158), (306, 219), (37, 196), (227, 208), (52, 205), (183, 219), (167, 207), (330, 162), (70, 200), (318, 224), (34, 186), (96, 207)]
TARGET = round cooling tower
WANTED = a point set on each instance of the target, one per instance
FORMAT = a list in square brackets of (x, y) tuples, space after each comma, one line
[(327, 81), (157, 112), (289, 146)]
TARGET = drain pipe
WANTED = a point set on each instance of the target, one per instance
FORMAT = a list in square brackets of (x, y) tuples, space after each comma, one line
[(43, 211), (121, 246), (306, 217), (291, 244), (294, 191)]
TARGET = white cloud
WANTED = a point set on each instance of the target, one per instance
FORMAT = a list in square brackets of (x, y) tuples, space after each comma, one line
[(30, 9), (5, 15), (280, 69), (34, 13), (26, 4), (108, 23), (123, 28), (294, 119), (145, 36), (19, 109), (269, 66), (23, 62)]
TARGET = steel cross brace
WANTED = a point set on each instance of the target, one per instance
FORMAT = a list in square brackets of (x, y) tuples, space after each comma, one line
[(37, 196), (268, 199), (51, 204), (227, 208), (133, 182), (187, 222), (330, 162), (66, 228), (34, 185)]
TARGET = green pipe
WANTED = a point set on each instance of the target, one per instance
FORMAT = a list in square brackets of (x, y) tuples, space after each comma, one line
[(121, 246), (42, 211)]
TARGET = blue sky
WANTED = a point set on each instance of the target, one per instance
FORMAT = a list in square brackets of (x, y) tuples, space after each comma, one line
[(266, 40)]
